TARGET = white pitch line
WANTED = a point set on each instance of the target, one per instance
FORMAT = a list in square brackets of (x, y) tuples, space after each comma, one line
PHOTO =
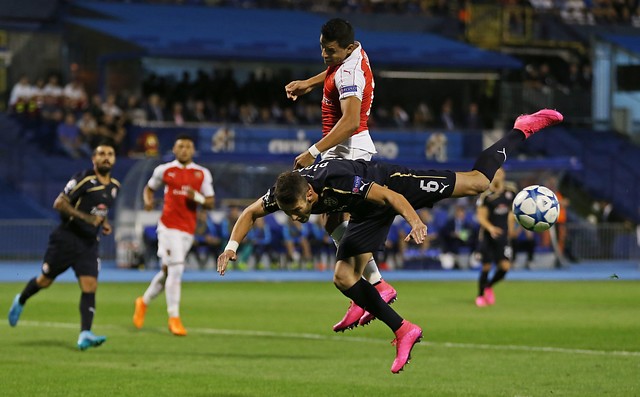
[(342, 338)]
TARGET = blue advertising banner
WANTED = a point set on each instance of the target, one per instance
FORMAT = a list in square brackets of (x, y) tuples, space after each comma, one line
[(398, 146)]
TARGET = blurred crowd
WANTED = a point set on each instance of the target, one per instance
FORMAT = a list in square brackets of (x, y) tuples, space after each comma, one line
[(66, 119)]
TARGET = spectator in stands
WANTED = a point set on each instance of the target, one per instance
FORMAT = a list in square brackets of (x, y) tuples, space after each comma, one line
[(422, 116), (20, 95), (457, 233), (53, 90), (523, 240), (53, 98), (111, 107), (473, 120), (110, 127), (75, 97), (295, 237), (179, 115), (133, 112), (70, 138), (83, 207), (400, 117), (259, 239), (201, 112), (88, 128), (187, 186), (95, 107), (447, 120), (155, 108), (206, 239)]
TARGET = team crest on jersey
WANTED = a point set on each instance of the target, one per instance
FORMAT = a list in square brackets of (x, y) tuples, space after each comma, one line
[(349, 88), (198, 174), (70, 185), (330, 202), (114, 192)]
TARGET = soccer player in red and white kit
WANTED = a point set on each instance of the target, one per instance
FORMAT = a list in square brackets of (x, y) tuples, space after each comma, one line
[(346, 104), (187, 185)]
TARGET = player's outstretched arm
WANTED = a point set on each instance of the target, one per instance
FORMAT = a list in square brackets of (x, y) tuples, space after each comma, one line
[(300, 87), (385, 196), (240, 230)]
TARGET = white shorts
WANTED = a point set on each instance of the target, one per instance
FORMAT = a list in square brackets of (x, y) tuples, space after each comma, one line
[(356, 147), (173, 245)]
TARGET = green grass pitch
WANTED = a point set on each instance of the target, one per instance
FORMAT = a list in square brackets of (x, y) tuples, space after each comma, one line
[(275, 339)]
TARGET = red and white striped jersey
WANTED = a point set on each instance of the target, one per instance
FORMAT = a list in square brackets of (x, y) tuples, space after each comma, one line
[(179, 212), (351, 78)]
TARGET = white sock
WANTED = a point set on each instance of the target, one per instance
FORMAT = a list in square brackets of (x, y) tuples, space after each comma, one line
[(173, 287), (338, 232), (155, 288), (371, 272)]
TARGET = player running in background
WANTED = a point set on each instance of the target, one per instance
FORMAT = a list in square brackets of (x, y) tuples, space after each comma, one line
[(187, 185), (346, 104), (83, 206), (374, 193), (496, 227)]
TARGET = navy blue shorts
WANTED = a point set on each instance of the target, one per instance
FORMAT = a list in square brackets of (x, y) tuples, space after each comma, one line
[(495, 250), (66, 249)]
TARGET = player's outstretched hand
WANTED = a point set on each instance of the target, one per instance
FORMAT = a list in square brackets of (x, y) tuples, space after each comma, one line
[(224, 259), (303, 160), (418, 233), (296, 88)]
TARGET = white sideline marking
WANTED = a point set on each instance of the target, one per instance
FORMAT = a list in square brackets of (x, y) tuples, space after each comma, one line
[(293, 335)]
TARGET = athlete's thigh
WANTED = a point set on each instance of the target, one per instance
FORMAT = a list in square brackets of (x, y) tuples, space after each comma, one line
[(87, 262), (365, 235), (60, 254)]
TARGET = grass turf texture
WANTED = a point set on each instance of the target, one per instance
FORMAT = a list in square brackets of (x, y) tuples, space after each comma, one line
[(275, 339)]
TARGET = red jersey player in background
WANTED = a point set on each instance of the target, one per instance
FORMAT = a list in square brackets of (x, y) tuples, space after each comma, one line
[(346, 104), (187, 185)]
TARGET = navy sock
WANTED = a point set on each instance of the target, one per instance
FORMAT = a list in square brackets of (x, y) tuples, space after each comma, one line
[(497, 276), (87, 309), (29, 290), (495, 155), (367, 297), (482, 284)]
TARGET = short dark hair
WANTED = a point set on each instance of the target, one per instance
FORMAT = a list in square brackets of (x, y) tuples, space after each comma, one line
[(290, 188), (105, 142), (338, 30), (185, 137)]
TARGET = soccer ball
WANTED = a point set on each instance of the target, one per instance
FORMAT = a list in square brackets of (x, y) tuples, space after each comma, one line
[(536, 208)]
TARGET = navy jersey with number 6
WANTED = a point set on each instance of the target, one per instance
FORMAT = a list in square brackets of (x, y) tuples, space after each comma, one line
[(343, 186)]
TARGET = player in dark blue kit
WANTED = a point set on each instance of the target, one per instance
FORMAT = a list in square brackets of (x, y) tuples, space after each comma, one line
[(496, 225), (374, 193), (83, 205)]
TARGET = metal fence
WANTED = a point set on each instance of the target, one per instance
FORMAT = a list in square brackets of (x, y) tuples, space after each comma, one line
[(605, 241), (27, 239)]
